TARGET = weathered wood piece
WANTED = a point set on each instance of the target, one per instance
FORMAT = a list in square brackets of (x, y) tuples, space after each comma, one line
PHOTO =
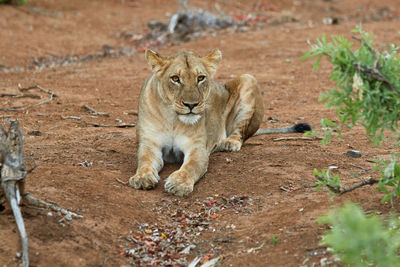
[(12, 177)]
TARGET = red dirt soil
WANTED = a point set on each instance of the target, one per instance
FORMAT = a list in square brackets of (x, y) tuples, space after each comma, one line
[(78, 165)]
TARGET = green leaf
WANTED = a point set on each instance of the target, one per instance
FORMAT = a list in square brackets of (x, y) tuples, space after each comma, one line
[(361, 240)]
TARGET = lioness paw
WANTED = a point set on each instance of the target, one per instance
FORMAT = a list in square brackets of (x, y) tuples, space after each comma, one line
[(144, 180), (231, 144), (178, 184)]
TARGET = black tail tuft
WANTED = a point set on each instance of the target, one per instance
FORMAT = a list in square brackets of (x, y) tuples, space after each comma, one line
[(302, 127)]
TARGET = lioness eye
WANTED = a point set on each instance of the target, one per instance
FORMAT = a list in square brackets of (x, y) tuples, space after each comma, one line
[(175, 79), (200, 78)]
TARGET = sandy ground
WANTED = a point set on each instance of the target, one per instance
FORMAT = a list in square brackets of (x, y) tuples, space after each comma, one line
[(79, 165)]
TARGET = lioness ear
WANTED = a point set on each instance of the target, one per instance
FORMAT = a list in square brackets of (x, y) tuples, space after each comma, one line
[(211, 60), (155, 60)]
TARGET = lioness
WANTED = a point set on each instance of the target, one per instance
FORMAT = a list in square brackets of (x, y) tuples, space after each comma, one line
[(184, 116)]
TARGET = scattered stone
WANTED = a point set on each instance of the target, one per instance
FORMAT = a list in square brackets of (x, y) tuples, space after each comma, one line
[(353, 153), (330, 21), (35, 133)]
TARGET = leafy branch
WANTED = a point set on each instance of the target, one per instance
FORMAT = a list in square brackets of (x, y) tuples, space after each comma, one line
[(334, 185), (367, 83)]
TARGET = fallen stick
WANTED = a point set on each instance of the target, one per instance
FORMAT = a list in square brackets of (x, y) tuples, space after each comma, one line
[(122, 182), (341, 190), (47, 91), (70, 117), (95, 112), (12, 178), (370, 181), (124, 125), (10, 189), (21, 96), (51, 93), (291, 138), (131, 112), (37, 202)]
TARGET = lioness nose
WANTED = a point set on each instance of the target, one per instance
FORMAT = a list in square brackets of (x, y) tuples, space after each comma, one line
[(190, 105)]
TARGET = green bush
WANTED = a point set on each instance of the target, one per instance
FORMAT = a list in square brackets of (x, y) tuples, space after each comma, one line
[(366, 92), (367, 84), (360, 240)]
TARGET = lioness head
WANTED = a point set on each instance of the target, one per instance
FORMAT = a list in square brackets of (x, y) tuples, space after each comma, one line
[(184, 80)]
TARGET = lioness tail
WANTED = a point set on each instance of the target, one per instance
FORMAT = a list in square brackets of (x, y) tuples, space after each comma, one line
[(297, 128)]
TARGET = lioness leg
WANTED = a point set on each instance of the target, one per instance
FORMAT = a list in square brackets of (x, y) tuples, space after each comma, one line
[(245, 110), (149, 164), (181, 182)]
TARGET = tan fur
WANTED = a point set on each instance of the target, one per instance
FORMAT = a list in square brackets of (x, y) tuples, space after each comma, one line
[(222, 118)]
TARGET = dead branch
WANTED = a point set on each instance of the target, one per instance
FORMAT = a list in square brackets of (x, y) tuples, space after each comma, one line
[(49, 92), (21, 96), (37, 202), (122, 182), (372, 51), (290, 138), (131, 112), (374, 72), (124, 125), (370, 181), (70, 117), (41, 89), (95, 112), (359, 167), (341, 190), (12, 177)]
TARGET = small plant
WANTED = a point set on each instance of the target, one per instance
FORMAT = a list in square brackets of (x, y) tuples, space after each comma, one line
[(325, 178), (274, 240), (390, 178), (361, 240)]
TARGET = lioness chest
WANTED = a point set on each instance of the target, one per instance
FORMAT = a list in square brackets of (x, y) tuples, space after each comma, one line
[(173, 147)]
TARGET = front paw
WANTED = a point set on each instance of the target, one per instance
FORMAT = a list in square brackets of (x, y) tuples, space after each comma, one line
[(231, 144), (178, 183), (144, 180)]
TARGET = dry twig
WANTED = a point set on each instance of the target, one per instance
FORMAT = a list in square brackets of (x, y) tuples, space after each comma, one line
[(291, 138), (70, 117), (124, 125), (51, 93), (374, 72), (37, 202), (131, 112), (95, 112), (12, 177), (122, 182), (341, 190), (370, 181), (21, 96)]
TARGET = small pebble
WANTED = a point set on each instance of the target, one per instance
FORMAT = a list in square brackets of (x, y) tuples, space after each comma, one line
[(35, 133), (353, 153)]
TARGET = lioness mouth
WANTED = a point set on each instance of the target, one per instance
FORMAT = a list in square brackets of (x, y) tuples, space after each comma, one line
[(189, 118)]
